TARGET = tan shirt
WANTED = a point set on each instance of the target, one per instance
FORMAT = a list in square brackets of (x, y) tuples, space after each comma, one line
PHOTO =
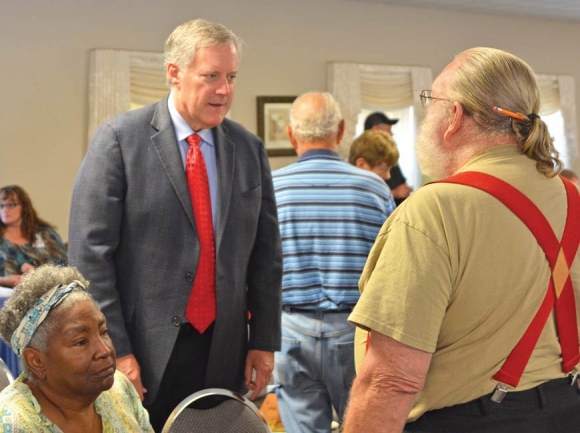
[(453, 272)]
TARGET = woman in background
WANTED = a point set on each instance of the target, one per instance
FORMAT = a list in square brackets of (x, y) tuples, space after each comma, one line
[(27, 241)]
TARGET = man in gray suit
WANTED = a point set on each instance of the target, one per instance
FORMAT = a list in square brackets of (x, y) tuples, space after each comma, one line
[(133, 232)]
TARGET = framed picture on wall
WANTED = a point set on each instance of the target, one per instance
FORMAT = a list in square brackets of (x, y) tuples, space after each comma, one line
[(273, 116)]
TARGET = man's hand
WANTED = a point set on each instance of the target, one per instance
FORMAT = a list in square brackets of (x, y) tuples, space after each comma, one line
[(10, 280), (27, 267), (402, 191), (129, 366), (263, 364)]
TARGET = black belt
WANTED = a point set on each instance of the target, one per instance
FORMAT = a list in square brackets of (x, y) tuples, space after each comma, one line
[(536, 407), (292, 309), (537, 397), (187, 328)]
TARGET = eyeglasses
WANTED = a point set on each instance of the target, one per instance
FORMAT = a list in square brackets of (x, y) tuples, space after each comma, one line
[(427, 99), (9, 205)]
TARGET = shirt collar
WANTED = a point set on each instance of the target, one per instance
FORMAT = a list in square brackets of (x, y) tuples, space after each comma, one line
[(181, 128), (320, 152), (493, 154)]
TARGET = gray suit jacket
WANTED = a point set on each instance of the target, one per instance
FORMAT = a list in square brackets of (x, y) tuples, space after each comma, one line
[(132, 234)]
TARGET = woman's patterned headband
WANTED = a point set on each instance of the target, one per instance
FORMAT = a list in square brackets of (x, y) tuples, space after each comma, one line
[(36, 315)]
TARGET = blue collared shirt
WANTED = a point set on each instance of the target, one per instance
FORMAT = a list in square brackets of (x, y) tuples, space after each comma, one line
[(182, 131), (319, 152), (330, 213)]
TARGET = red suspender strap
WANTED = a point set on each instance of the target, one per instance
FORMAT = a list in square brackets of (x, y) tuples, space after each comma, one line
[(560, 255)]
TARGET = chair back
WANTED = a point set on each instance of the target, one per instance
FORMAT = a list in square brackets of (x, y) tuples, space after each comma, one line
[(216, 410), (6, 377)]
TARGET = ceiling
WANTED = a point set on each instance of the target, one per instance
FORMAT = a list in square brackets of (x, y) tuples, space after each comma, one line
[(564, 10)]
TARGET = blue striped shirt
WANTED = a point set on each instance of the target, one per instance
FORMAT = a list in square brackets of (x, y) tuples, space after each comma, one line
[(330, 213)]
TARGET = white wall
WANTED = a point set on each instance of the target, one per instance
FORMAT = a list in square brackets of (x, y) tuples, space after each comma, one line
[(44, 47)]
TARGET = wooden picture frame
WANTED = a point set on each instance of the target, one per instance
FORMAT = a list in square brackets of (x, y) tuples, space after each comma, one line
[(273, 116)]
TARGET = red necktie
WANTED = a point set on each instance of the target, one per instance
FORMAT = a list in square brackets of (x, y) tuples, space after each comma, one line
[(201, 307)]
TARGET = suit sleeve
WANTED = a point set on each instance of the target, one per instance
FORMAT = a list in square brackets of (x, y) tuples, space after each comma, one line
[(264, 279), (95, 225)]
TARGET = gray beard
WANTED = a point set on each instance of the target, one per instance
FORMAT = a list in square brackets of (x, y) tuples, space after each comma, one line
[(433, 160)]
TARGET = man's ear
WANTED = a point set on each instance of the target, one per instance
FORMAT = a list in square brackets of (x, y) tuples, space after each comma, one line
[(340, 132), (35, 360), (362, 163), (172, 72), (456, 121), (291, 138)]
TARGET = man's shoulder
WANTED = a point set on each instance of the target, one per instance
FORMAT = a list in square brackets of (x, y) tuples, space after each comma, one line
[(330, 168), (371, 178), (232, 128), (138, 114), (133, 121), (318, 165)]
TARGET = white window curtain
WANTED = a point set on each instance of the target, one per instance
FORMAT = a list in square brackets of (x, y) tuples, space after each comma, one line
[(549, 94), (120, 79), (355, 85), (558, 109), (568, 108)]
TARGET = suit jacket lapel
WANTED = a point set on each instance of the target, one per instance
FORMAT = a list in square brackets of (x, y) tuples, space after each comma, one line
[(225, 157), (165, 144)]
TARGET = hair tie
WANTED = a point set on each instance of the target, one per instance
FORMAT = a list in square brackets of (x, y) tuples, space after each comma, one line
[(36, 315), (533, 116)]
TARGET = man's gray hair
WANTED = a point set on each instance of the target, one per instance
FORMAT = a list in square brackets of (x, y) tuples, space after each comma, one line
[(315, 116), (182, 43), (488, 77)]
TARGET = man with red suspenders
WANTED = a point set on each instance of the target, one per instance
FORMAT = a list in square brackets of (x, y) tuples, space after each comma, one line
[(472, 289)]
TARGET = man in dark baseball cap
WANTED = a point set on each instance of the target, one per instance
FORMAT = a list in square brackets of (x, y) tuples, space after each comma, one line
[(379, 121)]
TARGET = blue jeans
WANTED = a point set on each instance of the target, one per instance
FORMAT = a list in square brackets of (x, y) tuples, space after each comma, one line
[(314, 370)]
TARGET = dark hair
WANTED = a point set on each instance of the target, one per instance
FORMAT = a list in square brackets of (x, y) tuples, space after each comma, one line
[(30, 220), (377, 118)]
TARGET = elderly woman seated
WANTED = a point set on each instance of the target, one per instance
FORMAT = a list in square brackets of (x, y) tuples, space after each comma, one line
[(68, 381)]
